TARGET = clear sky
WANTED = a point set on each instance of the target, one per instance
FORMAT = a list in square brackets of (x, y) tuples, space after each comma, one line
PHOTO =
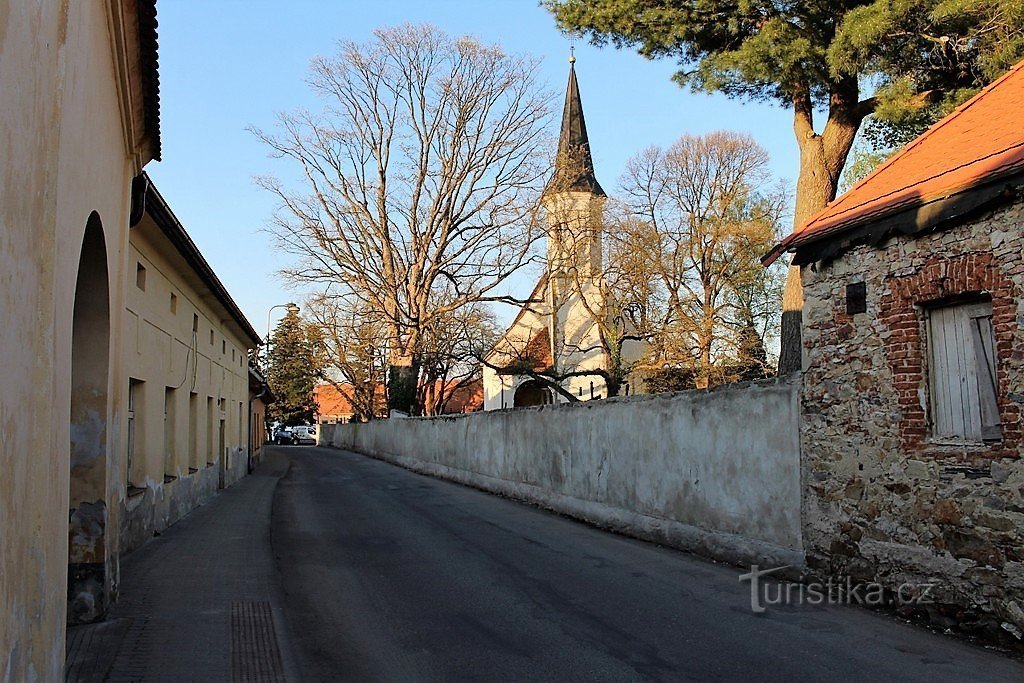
[(230, 64)]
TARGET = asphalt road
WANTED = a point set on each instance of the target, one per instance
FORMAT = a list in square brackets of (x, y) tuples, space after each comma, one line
[(389, 575)]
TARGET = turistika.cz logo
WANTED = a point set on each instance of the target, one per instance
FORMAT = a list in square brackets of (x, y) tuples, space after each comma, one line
[(834, 591)]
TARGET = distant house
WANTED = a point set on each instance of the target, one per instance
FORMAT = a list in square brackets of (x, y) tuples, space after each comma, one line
[(334, 403), (913, 357)]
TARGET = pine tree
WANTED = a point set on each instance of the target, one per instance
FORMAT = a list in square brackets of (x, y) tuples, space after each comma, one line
[(815, 56), (292, 372)]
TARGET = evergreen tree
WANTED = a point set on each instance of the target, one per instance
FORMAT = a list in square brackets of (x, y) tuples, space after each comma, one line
[(922, 57), (292, 371)]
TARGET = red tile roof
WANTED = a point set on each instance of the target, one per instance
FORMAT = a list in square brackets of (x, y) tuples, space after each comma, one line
[(980, 142)]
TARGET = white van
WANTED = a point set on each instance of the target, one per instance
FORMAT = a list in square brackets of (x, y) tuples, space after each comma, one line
[(304, 434)]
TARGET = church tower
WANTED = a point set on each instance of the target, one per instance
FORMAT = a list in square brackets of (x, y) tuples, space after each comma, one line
[(573, 203), (573, 199)]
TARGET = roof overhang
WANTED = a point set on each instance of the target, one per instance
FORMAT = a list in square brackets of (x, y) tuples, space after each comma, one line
[(133, 31), (918, 218)]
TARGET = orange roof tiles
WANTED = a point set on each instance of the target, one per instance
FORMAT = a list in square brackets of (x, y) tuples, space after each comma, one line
[(981, 141)]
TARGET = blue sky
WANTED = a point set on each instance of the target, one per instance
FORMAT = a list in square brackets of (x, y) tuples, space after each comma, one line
[(228, 65)]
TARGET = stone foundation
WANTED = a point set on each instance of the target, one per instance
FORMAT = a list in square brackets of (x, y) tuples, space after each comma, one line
[(882, 499)]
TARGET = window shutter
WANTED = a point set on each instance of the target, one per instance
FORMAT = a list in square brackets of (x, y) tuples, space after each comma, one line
[(984, 354)]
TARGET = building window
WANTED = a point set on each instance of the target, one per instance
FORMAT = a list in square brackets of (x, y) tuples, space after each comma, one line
[(963, 375), (140, 276), (134, 405), (223, 346), (211, 337), (174, 303), (195, 326), (170, 470)]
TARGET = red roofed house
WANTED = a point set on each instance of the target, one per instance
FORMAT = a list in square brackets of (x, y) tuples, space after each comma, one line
[(913, 365), (334, 404)]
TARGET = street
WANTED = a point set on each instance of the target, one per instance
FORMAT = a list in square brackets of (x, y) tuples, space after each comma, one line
[(389, 575), (326, 565)]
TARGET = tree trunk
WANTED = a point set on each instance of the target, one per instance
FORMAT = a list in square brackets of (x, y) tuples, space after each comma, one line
[(822, 158), (402, 376)]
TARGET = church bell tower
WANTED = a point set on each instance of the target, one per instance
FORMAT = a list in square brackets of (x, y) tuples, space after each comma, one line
[(573, 199)]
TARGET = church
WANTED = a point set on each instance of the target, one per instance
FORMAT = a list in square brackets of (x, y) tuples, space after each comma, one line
[(554, 349)]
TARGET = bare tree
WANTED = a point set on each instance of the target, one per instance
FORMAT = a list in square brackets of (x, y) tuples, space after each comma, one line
[(448, 359), (352, 353), (423, 170), (710, 214)]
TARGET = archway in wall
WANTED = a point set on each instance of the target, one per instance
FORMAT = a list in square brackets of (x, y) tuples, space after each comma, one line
[(90, 357), (531, 393)]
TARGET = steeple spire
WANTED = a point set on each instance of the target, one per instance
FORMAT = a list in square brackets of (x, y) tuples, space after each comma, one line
[(574, 167)]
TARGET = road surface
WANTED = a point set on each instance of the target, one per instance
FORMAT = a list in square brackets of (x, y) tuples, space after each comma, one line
[(390, 575)]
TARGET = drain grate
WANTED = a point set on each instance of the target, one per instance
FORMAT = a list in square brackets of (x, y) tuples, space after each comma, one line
[(255, 655)]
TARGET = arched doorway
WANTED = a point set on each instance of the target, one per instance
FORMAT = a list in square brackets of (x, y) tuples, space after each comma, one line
[(90, 357), (531, 393)]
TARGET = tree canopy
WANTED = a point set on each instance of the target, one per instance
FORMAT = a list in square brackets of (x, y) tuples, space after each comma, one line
[(292, 371), (421, 178), (903, 62)]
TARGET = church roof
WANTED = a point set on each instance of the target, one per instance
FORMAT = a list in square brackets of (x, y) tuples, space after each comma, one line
[(574, 167)]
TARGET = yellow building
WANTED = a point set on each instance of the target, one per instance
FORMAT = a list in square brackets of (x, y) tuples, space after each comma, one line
[(187, 383), (91, 362)]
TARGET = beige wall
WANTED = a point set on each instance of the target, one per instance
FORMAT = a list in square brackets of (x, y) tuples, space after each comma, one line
[(202, 377), (64, 157)]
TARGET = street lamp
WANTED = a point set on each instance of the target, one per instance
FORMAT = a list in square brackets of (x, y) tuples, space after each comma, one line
[(292, 308)]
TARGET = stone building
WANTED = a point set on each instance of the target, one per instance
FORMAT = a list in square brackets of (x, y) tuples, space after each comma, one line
[(558, 332), (914, 369), (185, 349)]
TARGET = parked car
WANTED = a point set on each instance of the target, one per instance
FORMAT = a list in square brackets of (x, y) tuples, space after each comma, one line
[(304, 434), (284, 435)]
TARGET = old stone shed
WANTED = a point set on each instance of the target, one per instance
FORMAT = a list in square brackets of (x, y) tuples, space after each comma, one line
[(914, 368)]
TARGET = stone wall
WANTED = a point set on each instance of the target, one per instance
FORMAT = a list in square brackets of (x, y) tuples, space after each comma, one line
[(714, 472), (882, 499)]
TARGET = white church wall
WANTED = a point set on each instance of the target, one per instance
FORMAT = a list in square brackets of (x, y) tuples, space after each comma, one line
[(716, 472)]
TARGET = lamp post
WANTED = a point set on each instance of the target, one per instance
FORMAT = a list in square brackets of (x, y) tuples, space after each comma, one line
[(292, 308)]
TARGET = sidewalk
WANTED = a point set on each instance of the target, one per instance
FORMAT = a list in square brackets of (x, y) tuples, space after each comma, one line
[(201, 602)]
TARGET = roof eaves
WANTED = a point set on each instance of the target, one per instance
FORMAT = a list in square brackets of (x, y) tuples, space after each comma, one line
[(794, 238), (150, 59)]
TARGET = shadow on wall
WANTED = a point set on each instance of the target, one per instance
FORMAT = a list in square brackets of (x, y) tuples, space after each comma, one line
[(89, 572)]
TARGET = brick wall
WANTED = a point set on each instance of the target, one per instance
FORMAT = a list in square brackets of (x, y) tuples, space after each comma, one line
[(881, 498)]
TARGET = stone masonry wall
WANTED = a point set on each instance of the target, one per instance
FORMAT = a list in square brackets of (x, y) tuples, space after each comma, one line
[(881, 500)]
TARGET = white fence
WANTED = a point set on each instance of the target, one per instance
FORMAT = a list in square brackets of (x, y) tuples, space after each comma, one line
[(716, 472)]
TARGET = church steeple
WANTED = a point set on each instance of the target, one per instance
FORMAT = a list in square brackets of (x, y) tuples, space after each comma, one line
[(574, 167)]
